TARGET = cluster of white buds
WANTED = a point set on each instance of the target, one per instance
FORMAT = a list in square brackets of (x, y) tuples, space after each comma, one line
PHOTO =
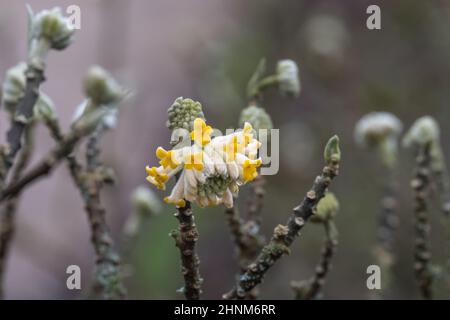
[(103, 96), (288, 77), (210, 170), (101, 88), (53, 27), (381, 130), (14, 90)]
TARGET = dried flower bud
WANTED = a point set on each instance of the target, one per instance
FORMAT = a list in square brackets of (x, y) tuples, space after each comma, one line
[(288, 77), (14, 87), (101, 87), (54, 27), (257, 117), (326, 209), (332, 151), (145, 202), (182, 114)]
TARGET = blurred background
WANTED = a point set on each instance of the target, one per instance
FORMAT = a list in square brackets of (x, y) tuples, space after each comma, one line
[(207, 50)]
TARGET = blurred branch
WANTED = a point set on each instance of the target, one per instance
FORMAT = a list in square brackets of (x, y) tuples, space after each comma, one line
[(108, 276), (422, 254), (64, 148), (311, 289), (7, 219)]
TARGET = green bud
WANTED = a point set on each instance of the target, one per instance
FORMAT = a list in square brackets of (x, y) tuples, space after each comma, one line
[(257, 117), (288, 77), (332, 152), (182, 114), (101, 87), (326, 209), (52, 26)]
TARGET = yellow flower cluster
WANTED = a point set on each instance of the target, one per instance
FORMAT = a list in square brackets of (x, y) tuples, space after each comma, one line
[(210, 170)]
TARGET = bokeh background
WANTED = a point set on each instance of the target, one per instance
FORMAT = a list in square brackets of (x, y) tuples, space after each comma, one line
[(207, 50)]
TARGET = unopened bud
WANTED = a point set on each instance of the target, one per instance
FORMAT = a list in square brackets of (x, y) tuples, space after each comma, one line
[(182, 114)]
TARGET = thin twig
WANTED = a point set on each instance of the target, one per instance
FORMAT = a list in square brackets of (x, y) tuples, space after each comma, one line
[(246, 234), (313, 287), (387, 224), (422, 254), (185, 239), (53, 158), (248, 243), (108, 275), (108, 263), (284, 235)]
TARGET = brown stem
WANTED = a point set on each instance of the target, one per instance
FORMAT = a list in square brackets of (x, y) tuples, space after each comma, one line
[(284, 235), (185, 239), (422, 254)]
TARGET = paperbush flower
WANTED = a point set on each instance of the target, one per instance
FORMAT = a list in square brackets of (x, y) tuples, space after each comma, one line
[(210, 170)]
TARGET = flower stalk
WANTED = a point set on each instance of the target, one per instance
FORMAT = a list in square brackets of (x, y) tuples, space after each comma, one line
[(186, 237)]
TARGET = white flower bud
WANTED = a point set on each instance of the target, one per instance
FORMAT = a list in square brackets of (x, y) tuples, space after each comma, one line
[(257, 117), (375, 127), (14, 91), (288, 77), (14, 87), (52, 26), (101, 87), (423, 131), (380, 130)]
